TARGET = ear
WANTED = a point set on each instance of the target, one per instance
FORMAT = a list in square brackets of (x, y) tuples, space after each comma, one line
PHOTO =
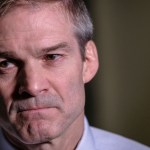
[(91, 62)]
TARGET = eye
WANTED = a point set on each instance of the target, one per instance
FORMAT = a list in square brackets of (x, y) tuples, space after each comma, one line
[(52, 57), (6, 64)]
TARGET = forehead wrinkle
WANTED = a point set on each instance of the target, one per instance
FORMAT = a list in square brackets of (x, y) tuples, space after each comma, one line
[(34, 22)]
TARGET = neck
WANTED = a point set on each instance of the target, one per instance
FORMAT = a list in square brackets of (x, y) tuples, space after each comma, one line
[(67, 141)]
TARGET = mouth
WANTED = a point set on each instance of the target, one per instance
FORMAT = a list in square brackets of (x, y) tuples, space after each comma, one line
[(37, 113), (34, 109)]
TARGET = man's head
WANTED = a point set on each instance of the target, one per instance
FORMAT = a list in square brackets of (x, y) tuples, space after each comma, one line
[(42, 73)]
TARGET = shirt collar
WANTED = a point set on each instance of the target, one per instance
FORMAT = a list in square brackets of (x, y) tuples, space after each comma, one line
[(86, 141)]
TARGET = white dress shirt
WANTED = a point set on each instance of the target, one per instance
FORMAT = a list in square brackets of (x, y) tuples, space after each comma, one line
[(97, 139)]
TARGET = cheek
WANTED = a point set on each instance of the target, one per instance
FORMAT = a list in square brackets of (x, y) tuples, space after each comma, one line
[(6, 90), (4, 99), (72, 92), (4, 119)]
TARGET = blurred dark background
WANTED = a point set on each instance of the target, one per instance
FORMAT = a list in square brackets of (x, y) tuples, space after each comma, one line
[(118, 99)]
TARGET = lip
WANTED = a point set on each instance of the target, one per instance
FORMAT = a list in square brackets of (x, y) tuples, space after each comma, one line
[(31, 113), (36, 114), (34, 109)]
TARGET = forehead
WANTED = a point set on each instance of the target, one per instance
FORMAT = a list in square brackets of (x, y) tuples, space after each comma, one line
[(29, 29), (32, 18)]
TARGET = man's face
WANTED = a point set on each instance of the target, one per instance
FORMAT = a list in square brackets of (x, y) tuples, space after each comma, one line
[(41, 74)]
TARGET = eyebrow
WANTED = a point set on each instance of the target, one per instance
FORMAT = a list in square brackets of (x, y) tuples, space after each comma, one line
[(58, 46), (7, 54), (62, 45), (10, 54)]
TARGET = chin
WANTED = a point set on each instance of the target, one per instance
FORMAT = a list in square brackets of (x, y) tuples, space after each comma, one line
[(40, 131)]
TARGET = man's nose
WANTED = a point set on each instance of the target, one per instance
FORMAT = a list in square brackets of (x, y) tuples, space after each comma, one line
[(33, 81)]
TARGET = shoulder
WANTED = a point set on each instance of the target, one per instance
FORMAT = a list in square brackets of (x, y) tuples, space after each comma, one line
[(109, 141)]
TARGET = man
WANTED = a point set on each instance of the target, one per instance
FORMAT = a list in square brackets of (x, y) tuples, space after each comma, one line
[(46, 56)]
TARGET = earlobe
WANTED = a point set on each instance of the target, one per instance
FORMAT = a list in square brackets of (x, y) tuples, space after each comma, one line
[(91, 62)]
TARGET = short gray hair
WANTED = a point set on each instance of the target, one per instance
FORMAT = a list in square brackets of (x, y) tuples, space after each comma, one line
[(75, 8)]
